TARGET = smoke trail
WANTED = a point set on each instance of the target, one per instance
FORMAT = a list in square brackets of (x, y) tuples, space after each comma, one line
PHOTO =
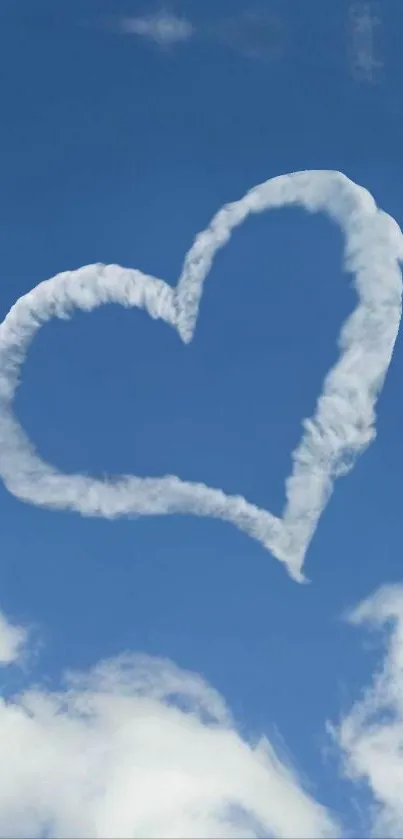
[(342, 427)]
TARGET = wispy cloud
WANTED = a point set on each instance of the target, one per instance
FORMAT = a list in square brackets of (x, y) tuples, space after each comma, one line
[(344, 422), (363, 25), (162, 27), (12, 641), (138, 747), (254, 33), (371, 734)]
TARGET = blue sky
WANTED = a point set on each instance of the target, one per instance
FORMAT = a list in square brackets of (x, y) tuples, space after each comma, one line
[(118, 148)]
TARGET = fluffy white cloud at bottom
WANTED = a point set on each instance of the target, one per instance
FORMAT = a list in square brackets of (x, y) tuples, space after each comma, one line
[(371, 734), (137, 747)]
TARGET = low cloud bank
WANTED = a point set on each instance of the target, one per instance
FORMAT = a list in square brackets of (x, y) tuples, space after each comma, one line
[(137, 747), (370, 736)]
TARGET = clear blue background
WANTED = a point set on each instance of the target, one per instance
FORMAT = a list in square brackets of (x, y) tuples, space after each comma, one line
[(114, 150)]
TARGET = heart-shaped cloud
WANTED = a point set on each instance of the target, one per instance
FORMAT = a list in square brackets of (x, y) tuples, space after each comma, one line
[(343, 424)]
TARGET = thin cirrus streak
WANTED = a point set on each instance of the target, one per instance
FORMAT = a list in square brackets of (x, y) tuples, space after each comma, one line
[(344, 422)]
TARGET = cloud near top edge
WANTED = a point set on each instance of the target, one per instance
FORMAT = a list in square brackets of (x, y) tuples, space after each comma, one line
[(162, 27)]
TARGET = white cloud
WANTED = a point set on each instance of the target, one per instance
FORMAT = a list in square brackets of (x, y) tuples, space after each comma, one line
[(138, 748), (344, 423), (371, 734), (254, 33), (162, 27), (363, 41), (12, 640)]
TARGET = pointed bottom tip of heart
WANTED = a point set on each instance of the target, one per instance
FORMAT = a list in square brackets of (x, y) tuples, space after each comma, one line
[(299, 577)]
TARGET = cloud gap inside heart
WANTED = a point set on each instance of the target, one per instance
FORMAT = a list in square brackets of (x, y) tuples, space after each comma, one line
[(121, 392)]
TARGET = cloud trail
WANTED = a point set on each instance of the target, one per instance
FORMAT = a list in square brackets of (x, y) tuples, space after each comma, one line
[(138, 747), (342, 427)]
